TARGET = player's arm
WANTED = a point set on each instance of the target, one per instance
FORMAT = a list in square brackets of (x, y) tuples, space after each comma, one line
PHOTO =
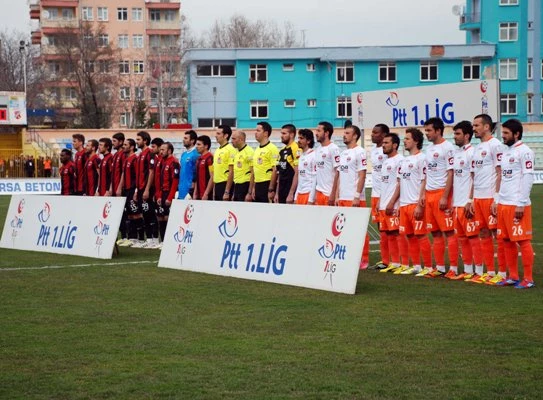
[(359, 187), (419, 210), (444, 201), (334, 195), (494, 207), (251, 192), (229, 183), (150, 180), (468, 208), (209, 188), (292, 191), (273, 189), (175, 182), (390, 210)]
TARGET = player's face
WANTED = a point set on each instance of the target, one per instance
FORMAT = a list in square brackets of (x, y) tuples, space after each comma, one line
[(508, 137), (431, 133), (77, 144), (126, 147), (139, 142), (349, 137), (286, 137), (459, 138), (260, 134), (200, 147), (102, 149), (163, 151), (154, 148), (479, 128), (302, 142), (408, 142), (320, 134), (377, 135), (388, 146), (186, 141), (64, 158), (117, 144), (220, 137), (89, 148)]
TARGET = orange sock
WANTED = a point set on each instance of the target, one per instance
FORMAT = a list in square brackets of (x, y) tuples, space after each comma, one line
[(465, 247), (502, 265), (385, 254), (527, 255), (426, 251), (476, 250), (439, 250), (366, 251), (511, 254), (414, 250), (393, 248), (452, 246), (487, 246), (403, 248)]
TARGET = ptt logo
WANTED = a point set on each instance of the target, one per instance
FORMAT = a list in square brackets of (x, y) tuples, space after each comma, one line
[(45, 213), (101, 229), (183, 234), (332, 251), (393, 100), (106, 210), (484, 86), (17, 221), (21, 206), (229, 227), (189, 213)]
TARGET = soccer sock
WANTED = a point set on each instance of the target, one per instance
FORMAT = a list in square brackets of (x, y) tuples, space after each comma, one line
[(123, 228), (162, 227), (527, 254), (131, 229), (426, 250), (151, 229), (476, 250), (439, 250), (468, 269), (511, 255), (139, 228), (487, 246), (502, 265), (414, 250), (403, 249), (393, 249), (385, 254), (452, 245), (465, 247), (366, 251)]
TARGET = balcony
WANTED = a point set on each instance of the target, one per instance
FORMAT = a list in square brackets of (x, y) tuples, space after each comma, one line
[(35, 37), (34, 11), (162, 31), (469, 22), (164, 25), (163, 4), (60, 3)]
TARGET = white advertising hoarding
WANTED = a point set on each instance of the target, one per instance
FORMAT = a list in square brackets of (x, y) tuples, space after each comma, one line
[(30, 186), (78, 225), (412, 106), (307, 246), (12, 108)]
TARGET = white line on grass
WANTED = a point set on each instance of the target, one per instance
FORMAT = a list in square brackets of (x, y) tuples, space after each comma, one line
[(79, 265)]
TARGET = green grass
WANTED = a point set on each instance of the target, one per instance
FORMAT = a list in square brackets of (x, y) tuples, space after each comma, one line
[(135, 331)]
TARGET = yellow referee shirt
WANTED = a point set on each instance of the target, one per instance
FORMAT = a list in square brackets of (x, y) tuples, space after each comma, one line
[(264, 159), (222, 159), (243, 161)]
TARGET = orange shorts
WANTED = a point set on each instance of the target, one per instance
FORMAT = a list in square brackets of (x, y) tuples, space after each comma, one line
[(349, 203), (464, 226), (511, 228), (374, 210), (483, 215), (388, 223), (302, 198), (408, 224), (436, 219), (321, 199)]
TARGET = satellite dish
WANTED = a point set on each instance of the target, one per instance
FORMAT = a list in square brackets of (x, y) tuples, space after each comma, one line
[(457, 10), (45, 14)]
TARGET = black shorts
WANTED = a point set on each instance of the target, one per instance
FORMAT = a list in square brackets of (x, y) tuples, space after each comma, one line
[(146, 206), (131, 206), (240, 191), (284, 189), (163, 210), (261, 192), (220, 188)]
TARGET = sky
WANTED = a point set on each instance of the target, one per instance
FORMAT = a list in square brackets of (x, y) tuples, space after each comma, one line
[(323, 23)]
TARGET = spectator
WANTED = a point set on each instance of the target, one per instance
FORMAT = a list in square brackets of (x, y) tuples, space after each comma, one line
[(47, 167), (30, 167)]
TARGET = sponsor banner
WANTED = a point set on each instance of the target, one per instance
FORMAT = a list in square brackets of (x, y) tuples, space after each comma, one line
[(83, 226), (412, 106), (308, 246), (30, 186), (12, 108)]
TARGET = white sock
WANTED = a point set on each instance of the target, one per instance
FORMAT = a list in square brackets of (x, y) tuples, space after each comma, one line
[(468, 268)]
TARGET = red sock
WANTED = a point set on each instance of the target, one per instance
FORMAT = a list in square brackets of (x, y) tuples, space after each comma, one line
[(487, 246), (393, 249), (502, 265), (439, 250), (366, 251), (452, 246), (465, 247), (414, 250), (527, 255), (426, 251), (511, 255), (403, 248), (476, 250), (385, 254)]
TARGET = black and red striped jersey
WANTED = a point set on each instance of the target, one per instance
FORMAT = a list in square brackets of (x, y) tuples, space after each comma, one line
[(117, 169), (91, 174), (106, 166), (67, 178), (80, 159), (130, 172)]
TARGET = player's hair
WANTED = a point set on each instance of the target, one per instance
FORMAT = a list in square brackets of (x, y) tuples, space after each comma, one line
[(384, 128), (107, 143), (308, 135), (437, 124), (119, 136), (94, 143), (79, 136), (145, 136), (356, 130), (466, 127), (327, 128), (267, 127), (193, 136), (68, 152), (395, 138), (131, 143), (206, 141), (157, 141), (487, 120), (417, 136), (169, 145), (242, 134), (515, 126), (290, 128), (226, 130)]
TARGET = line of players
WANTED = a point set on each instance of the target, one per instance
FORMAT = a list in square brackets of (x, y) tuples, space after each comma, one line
[(464, 197)]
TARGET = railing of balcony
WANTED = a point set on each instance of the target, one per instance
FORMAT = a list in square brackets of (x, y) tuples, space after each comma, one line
[(470, 18)]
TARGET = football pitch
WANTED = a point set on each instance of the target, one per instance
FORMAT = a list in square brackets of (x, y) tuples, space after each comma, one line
[(80, 328)]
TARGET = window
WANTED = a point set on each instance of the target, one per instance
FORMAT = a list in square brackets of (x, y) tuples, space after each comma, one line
[(138, 67), (216, 70), (154, 96), (428, 71), (258, 73), (103, 40), (67, 14), (54, 67), (508, 2), (86, 14), (508, 32), (55, 93), (137, 41), (52, 13), (51, 40), (155, 15), (124, 119), (259, 109), (290, 103), (122, 42), (139, 91), (169, 15), (508, 104), (288, 67), (124, 93), (102, 14), (89, 67), (387, 72), (508, 68), (71, 94), (344, 107), (312, 102), (124, 67), (345, 71), (310, 67), (529, 69), (103, 66), (530, 104), (154, 41), (137, 14), (471, 70), (122, 14), (208, 122)]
